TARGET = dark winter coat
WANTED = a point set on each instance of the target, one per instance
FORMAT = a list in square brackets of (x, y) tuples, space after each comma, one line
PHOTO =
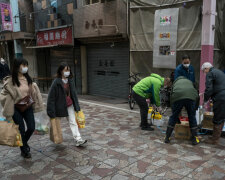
[(56, 104), (4, 71), (183, 88), (189, 72), (215, 88), (215, 85)]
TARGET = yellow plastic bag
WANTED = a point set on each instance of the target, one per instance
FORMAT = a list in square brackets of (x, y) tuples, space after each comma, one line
[(18, 141), (80, 119)]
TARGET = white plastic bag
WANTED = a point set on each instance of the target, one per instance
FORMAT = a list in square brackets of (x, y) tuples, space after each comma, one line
[(41, 123)]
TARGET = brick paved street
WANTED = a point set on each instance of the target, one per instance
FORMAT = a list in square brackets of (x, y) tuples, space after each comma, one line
[(117, 150)]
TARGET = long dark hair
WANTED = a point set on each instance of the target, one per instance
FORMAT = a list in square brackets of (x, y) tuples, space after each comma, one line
[(60, 69), (15, 71)]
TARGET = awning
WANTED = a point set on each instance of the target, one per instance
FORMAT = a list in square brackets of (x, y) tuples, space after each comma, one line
[(8, 36), (36, 47)]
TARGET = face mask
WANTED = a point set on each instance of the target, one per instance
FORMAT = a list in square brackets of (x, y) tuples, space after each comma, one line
[(2, 61), (24, 70), (67, 74), (186, 65), (65, 81)]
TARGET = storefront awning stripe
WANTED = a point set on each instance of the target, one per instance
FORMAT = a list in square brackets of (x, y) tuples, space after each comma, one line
[(36, 47)]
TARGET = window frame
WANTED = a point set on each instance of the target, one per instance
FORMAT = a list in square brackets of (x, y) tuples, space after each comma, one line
[(91, 3)]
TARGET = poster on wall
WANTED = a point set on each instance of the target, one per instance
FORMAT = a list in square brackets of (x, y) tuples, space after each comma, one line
[(165, 38), (6, 15)]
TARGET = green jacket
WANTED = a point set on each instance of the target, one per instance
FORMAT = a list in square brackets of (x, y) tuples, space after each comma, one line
[(149, 87), (183, 88)]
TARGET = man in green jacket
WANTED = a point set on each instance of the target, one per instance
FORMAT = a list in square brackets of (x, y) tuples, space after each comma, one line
[(148, 88), (183, 94)]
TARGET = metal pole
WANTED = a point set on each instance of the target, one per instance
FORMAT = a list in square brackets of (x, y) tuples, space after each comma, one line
[(208, 32)]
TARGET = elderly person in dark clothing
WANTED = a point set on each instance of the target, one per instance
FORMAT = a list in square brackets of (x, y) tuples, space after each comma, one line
[(4, 69), (215, 89)]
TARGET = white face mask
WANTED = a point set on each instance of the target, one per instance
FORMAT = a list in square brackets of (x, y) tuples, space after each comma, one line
[(24, 70), (186, 65), (67, 74), (2, 61)]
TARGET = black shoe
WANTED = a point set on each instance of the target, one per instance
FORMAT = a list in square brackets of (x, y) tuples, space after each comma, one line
[(147, 128), (26, 155), (28, 148), (195, 140), (167, 140), (148, 124), (169, 131)]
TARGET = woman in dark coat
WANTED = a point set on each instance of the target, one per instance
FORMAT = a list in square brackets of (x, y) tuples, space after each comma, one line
[(63, 101)]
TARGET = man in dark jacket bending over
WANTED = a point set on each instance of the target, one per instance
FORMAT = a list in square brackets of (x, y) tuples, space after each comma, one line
[(183, 94), (215, 89)]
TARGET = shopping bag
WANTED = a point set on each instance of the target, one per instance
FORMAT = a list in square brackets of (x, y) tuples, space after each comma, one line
[(9, 134), (56, 131), (80, 119), (41, 123)]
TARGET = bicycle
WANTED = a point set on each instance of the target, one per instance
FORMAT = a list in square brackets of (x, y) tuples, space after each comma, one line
[(133, 79)]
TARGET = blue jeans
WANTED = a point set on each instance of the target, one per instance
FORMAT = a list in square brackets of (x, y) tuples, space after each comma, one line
[(28, 116), (176, 109)]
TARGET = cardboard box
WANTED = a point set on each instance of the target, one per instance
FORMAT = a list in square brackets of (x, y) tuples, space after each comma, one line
[(207, 122), (182, 131)]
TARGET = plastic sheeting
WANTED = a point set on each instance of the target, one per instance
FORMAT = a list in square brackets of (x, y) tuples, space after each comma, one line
[(189, 34), (142, 28), (159, 2)]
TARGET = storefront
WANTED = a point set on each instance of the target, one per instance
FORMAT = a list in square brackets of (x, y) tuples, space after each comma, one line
[(108, 69), (54, 46)]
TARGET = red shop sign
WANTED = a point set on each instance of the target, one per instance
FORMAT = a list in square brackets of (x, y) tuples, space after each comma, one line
[(62, 36)]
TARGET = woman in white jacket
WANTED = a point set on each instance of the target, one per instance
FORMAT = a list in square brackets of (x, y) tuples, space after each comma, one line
[(15, 88)]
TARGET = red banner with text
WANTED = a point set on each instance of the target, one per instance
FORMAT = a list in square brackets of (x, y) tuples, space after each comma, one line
[(62, 36)]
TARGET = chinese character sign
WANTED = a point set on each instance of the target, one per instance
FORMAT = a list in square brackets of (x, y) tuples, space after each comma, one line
[(62, 36), (7, 24)]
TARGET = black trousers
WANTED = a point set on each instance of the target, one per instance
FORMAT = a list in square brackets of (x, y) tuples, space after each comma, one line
[(143, 108), (219, 113), (176, 109), (19, 118)]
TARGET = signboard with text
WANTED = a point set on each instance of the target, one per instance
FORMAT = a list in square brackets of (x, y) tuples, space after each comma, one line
[(6, 15), (165, 38), (61, 36)]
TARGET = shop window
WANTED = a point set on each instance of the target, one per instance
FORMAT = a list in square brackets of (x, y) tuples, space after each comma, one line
[(86, 2), (103, 1), (89, 2), (95, 1)]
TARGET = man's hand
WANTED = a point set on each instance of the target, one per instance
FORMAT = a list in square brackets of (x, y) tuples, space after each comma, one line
[(159, 109)]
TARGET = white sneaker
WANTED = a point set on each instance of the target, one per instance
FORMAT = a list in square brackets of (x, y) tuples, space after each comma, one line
[(80, 142)]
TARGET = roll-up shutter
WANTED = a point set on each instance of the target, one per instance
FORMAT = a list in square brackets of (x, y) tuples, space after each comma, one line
[(108, 69)]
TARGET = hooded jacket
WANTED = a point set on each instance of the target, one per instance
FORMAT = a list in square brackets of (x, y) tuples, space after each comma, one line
[(10, 95), (149, 87), (183, 88)]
